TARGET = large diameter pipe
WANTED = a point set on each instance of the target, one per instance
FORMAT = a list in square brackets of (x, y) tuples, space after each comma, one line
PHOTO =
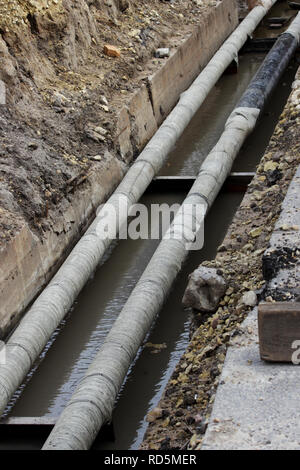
[(92, 403), (34, 331)]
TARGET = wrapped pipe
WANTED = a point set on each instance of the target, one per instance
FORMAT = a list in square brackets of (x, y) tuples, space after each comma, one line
[(34, 331), (93, 400)]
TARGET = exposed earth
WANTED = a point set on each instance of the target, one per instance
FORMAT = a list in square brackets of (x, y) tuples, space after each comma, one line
[(63, 92)]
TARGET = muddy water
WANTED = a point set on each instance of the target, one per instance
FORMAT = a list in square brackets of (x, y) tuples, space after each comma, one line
[(100, 302), (95, 311), (208, 124), (49, 389), (151, 372), (256, 144)]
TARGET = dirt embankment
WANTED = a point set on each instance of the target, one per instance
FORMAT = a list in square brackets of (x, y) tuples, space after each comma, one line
[(180, 419), (63, 93)]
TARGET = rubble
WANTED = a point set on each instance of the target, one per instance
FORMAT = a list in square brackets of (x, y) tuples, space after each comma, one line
[(111, 51), (246, 268), (204, 290)]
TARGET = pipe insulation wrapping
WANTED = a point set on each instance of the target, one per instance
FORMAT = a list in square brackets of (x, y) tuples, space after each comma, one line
[(93, 400), (40, 322)]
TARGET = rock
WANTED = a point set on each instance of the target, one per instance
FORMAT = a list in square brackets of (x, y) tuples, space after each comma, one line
[(270, 166), (202, 426), (33, 146), (60, 100), (111, 51), (103, 100), (104, 107), (100, 130), (96, 158), (162, 52), (204, 290), (255, 232), (273, 177), (286, 227), (134, 33), (97, 134), (249, 299), (277, 156), (154, 414), (123, 5)]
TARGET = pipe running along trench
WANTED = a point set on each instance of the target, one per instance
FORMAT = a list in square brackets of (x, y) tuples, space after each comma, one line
[(93, 400), (31, 336)]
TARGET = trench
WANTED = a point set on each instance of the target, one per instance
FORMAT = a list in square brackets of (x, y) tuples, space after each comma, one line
[(75, 344)]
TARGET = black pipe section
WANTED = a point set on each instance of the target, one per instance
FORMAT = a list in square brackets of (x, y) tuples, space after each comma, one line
[(268, 75)]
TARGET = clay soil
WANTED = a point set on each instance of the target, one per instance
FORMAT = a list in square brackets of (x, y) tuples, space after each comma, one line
[(60, 86), (180, 419)]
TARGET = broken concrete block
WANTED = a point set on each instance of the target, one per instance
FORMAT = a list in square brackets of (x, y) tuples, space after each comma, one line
[(204, 290)]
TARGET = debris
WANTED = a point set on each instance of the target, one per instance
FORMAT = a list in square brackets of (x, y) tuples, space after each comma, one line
[(204, 290), (270, 166), (100, 130), (162, 53), (96, 158), (33, 146), (103, 100), (97, 134), (249, 298), (154, 414), (255, 232), (104, 107), (286, 227), (156, 348), (111, 51)]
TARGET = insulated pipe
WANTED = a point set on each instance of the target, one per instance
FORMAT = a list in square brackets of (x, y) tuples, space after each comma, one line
[(34, 331), (93, 400)]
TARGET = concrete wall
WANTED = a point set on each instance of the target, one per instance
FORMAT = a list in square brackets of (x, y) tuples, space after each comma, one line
[(28, 261)]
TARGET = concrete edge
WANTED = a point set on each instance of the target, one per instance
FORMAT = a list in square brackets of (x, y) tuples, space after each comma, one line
[(256, 402)]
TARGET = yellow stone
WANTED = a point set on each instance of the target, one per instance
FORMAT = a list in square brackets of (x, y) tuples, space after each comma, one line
[(270, 166), (255, 232)]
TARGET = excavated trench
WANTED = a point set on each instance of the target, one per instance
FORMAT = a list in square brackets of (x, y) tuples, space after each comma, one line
[(74, 345), (40, 400)]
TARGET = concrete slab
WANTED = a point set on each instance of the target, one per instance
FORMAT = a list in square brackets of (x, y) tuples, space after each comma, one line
[(257, 403)]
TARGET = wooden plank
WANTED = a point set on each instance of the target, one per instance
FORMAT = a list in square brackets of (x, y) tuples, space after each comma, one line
[(279, 331)]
